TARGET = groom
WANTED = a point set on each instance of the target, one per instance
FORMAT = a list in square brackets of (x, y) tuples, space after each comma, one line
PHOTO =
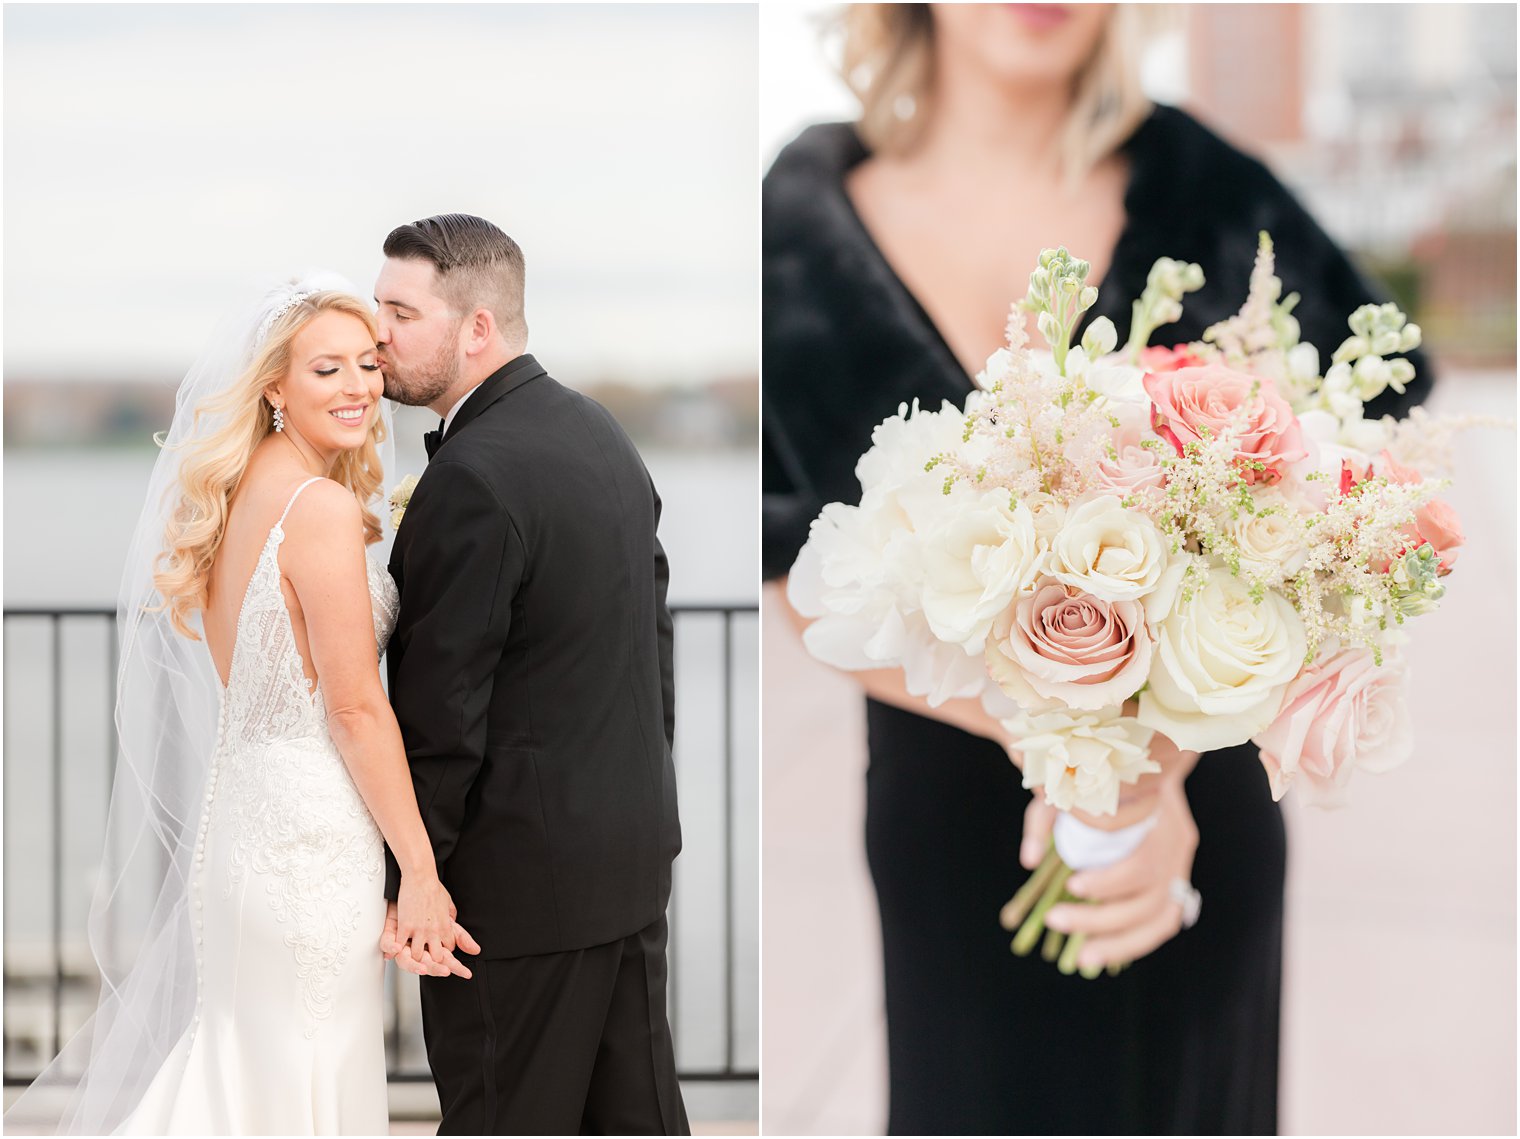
[(531, 673)]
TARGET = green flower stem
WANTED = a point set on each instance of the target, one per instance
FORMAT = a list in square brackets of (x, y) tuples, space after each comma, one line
[(1020, 904), (1068, 962), (1026, 910), (1029, 932), (1052, 947), (1062, 342)]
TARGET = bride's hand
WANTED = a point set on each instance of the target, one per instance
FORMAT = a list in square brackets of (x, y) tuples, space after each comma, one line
[(1130, 910), (1137, 801), (1141, 799), (426, 930), (394, 950)]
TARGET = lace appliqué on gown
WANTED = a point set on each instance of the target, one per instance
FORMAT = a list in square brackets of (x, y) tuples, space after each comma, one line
[(296, 819)]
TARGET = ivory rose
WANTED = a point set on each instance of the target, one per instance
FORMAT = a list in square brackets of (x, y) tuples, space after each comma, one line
[(1342, 714), (1272, 543), (1222, 664), (1108, 551), (1064, 647), (1209, 397)]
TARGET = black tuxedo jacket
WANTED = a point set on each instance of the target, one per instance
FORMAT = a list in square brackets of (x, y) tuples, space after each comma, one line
[(531, 670)]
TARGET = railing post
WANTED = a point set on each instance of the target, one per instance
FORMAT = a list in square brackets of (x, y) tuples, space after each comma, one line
[(728, 842), (57, 804)]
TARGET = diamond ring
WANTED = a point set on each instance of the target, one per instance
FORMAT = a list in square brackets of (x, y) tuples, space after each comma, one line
[(1185, 895)]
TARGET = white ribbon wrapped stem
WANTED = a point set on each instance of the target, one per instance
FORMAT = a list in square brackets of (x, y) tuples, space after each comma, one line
[(1084, 847)]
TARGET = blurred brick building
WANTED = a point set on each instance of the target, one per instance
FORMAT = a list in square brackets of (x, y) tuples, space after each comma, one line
[(1395, 123)]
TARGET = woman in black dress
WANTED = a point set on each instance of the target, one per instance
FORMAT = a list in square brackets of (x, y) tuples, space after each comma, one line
[(892, 248)]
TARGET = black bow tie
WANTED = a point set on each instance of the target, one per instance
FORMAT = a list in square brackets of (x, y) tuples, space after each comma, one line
[(432, 439)]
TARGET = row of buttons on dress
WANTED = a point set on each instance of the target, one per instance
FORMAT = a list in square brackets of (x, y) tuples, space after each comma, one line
[(197, 876)]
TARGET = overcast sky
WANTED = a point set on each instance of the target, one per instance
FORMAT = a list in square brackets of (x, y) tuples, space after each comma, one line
[(162, 160)]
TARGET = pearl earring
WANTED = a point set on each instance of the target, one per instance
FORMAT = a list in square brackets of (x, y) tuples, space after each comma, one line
[(279, 419)]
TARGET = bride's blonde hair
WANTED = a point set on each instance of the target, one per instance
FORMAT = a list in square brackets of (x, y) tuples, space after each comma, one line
[(888, 62), (213, 466)]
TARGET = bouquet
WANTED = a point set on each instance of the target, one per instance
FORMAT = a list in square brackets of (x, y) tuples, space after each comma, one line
[(1209, 541)]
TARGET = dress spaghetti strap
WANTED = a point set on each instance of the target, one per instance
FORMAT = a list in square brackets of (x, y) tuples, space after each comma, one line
[(296, 495)]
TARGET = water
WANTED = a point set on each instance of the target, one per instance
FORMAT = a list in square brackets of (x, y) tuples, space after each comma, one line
[(69, 515), (68, 518)]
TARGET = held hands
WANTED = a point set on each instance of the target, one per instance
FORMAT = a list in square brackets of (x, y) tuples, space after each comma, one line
[(1129, 910), (420, 932)]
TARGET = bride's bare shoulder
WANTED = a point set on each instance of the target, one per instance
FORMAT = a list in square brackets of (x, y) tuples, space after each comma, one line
[(321, 508)]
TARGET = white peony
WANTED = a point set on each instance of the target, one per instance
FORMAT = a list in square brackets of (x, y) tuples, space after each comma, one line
[(1108, 551), (1082, 759), (1222, 664), (860, 575), (976, 561)]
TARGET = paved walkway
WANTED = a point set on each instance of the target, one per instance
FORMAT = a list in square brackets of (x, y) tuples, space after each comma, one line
[(1399, 1002)]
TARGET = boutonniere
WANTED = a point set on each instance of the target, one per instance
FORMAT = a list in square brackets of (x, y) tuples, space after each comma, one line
[(400, 499)]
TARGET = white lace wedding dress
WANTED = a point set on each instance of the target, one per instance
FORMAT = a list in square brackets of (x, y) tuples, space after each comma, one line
[(287, 906)]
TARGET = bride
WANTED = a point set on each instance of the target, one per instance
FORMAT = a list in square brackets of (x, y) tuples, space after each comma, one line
[(261, 765)]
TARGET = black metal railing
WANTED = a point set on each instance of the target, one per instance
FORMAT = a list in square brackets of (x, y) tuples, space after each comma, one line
[(706, 638)]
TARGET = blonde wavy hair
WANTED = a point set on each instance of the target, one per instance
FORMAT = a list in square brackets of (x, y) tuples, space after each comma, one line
[(213, 467), (888, 63)]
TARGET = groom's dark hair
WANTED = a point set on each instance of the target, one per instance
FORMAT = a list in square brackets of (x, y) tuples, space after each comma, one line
[(478, 265)]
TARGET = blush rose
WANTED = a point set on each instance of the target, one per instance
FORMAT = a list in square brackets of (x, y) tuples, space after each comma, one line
[(1066, 647), (1342, 713)]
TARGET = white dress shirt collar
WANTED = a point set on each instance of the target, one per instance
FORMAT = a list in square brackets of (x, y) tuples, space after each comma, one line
[(448, 419)]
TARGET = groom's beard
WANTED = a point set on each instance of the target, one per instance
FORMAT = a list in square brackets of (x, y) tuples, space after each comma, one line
[(425, 384)]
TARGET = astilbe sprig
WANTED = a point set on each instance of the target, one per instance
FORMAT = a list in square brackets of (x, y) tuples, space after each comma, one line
[(1258, 338), (1034, 433)]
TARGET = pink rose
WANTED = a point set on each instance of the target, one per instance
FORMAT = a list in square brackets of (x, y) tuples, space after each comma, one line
[(1341, 713), (1353, 475), (1209, 397), (1403, 475), (1434, 522), (1437, 523), (1065, 646), (1159, 359), (1134, 468)]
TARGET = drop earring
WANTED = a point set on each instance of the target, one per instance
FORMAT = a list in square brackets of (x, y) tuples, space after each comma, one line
[(279, 419)]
